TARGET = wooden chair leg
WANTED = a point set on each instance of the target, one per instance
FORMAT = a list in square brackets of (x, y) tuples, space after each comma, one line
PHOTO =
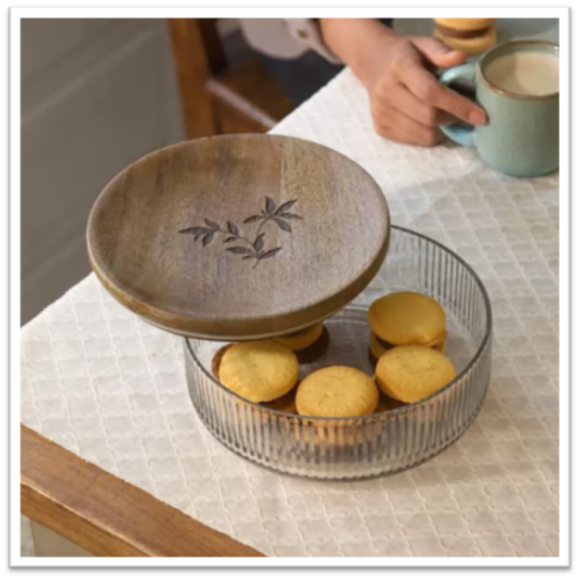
[(193, 70)]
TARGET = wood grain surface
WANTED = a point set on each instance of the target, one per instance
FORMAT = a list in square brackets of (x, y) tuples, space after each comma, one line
[(239, 236), (247, 99), (105, 515), (222, 93), (193, 62)]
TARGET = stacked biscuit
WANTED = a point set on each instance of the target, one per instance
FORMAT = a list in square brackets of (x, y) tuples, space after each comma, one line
[(469, 35), (405, 318), (407, 342)]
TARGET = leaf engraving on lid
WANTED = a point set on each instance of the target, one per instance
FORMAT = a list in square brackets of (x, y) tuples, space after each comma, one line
[(239, 250), (259, 242), (212, 225), (270, 253), (283, 225), (285, 206), (270, 205), (249, 248)]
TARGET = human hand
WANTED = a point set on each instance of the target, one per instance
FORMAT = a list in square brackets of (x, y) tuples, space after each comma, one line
[(407, 102)]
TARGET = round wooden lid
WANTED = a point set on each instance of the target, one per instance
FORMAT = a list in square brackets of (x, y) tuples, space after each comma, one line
[(238, 237)]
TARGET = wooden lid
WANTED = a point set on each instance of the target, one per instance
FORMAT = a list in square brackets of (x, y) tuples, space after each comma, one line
[(239, 236)]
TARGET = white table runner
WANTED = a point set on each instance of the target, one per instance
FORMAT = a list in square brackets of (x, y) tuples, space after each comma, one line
[(112, 389)]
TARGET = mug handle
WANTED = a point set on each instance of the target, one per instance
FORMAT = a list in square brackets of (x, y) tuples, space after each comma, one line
[(458, 132)]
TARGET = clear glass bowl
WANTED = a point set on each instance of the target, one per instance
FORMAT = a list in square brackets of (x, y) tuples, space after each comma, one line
[(384, 442)]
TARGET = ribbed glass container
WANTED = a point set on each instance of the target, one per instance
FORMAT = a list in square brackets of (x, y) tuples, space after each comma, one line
[(384, 442)]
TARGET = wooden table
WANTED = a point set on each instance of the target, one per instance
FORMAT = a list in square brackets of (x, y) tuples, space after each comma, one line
[(105, 515)]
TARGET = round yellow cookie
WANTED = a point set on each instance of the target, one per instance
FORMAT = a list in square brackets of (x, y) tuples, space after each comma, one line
[(435, 341), (465, 23), (470, 46), (411, 373), (376, 348), (483, 38), (438, 343), (407, 318), (387, 403), (259, 371), (286, 403), (337, 391), (303, 339)]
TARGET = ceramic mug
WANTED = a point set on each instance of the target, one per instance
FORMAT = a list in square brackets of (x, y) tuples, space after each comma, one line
[(521, 136)]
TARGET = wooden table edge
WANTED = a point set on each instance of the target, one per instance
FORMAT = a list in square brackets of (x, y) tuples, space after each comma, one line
[(106, 515)]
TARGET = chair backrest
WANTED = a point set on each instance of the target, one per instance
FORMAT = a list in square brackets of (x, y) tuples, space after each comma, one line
[(217, 98)]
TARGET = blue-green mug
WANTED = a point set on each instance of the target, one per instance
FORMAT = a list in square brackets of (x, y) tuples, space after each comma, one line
[(521, 136)]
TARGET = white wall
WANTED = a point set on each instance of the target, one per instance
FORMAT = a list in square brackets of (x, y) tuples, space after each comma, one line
[(96, 95)]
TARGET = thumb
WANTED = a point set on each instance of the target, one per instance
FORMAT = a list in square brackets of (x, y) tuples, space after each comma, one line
[(438, 53)]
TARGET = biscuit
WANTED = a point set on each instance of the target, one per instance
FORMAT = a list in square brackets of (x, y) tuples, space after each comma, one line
[(315, 349), (436, 341), (470, 46), (376, 348), (259, 371), (407, 318), (285, 403), (411, 373), (337, 391), (387, 403), (470, 35), (465, 23), (302, 339), (216, 361)]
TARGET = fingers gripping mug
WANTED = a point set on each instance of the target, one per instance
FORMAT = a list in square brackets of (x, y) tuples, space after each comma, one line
[(517, 83)]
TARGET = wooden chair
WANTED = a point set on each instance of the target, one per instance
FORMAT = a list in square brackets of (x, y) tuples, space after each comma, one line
[(220, 96)]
